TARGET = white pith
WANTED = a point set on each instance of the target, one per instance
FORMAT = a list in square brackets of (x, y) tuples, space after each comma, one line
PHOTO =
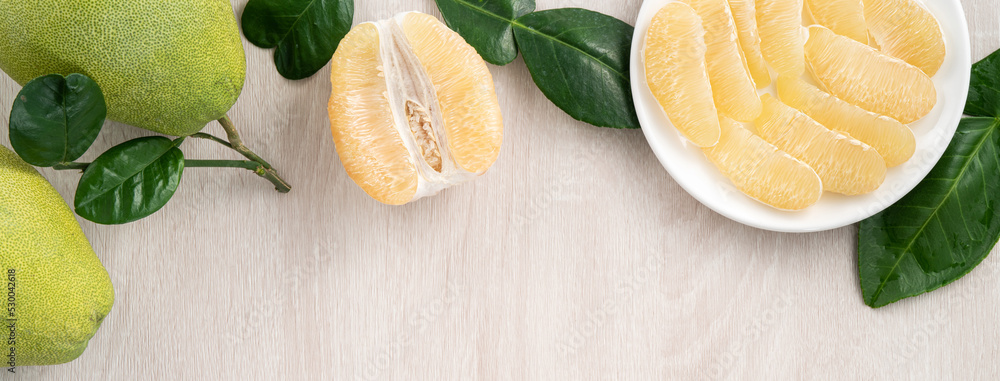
[(408, 84)]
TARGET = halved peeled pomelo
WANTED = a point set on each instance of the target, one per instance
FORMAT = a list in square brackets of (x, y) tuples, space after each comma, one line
[(845, 165), (763, 172), (867, 78), (674, 58), (892, 139), (906, 30), (413, 108), (732, 88)]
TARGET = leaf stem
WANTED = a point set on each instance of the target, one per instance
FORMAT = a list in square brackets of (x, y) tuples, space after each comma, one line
[(245, 164), (71, 166), (260, 166), (254, 166), (236, 143), (206, 136)]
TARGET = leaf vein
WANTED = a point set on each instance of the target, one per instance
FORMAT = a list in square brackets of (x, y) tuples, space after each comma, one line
[(296, 22), (581, 51), (907, 250), (484, 11)]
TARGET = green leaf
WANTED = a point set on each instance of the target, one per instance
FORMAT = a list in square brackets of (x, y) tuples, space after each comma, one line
[(55, 119), (580, 61), (948, 224), (305, 33), (487, 25), (130, 181), (941, 230), (984, 88)]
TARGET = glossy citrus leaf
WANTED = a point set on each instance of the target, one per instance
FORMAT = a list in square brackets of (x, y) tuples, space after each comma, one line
[(304, 33), (55, 119), (947, 225), (130, 181), (984, 92), (941, 230), (487, 25), (580, 61)]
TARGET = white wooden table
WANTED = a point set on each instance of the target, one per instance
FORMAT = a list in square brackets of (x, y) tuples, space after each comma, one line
[(575, 257)]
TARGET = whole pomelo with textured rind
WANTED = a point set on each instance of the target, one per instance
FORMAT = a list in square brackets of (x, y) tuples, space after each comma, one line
[(169, 66), (61, 292)]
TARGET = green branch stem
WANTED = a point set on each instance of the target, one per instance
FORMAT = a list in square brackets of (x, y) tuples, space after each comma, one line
[(71, 166), (256, 164), (245, 164), (262, 169), (207, 136), (236, 143)]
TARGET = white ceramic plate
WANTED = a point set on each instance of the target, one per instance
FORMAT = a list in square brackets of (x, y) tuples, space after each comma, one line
[(689, 167)]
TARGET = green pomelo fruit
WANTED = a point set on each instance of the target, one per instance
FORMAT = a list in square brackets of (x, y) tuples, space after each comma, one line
[(169, 66), (57, 291)]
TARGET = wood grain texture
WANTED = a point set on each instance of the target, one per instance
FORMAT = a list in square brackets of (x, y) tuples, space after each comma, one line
[(575, 258)]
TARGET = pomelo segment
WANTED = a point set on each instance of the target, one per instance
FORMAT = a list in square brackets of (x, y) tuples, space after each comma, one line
[(674, 58), (464, 89), (906, 30), (763, 172), (745, 17), (893, 140), (780, 25), (734, 91), (363, 128), (413, 108), (845, 165), (867, 78), (844, 17)]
